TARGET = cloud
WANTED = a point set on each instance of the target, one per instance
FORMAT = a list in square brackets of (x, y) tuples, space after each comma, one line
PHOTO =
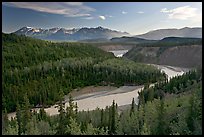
[(74, 3), (102, 17), (181, 13), (110, 16), (140, 12), (68, 9), (124, 12), (164, 10), (88, 18)]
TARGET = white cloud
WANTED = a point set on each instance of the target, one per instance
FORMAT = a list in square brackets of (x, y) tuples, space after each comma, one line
[(88, 18), (197, 19), (102, 17), (164, 10), (68, 9), (124, 12), (140, 12), (181, 13), (73, 3)]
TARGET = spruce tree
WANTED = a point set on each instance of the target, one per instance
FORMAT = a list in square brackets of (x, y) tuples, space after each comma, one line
[(161, 127), (5, 122), (132, 110), (42, 114), (61, 126), (102, 118), (191, 117), (76, 110), (19, 119), (145, 130), (70, 112), (113, 118), (71, 107), (26, 113), (74, 127), (141, 98)]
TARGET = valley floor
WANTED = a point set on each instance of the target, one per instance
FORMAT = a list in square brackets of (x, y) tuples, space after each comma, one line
[(91, 97)]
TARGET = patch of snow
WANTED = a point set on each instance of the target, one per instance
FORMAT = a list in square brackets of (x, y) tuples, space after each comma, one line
[(29, 27), (36, 30)]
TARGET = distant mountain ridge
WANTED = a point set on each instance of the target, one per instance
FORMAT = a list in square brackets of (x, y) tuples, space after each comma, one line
[(75, 34), (180, 39), (162, 33), (99, 34)]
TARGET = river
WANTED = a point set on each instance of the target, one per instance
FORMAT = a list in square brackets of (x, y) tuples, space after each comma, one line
[(122, 95), (118, 53)]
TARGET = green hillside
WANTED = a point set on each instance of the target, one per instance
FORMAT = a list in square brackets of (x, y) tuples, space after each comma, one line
[(40, 69)]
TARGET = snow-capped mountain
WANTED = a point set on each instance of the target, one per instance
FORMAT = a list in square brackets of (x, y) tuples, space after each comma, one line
[(75, 34)]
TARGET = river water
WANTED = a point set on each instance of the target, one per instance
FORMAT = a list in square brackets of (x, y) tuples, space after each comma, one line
[(122, 95), (118, 53)]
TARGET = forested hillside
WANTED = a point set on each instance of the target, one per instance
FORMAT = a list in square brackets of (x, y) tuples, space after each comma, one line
[(38, 70), (64, 74), (173, 108)]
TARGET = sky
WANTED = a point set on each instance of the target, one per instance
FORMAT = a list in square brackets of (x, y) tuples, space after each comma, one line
[(132, 17)]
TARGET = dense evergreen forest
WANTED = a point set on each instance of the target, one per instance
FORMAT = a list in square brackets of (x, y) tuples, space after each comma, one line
[(40, 69), (42, 72), (173, 108), (172, 42)]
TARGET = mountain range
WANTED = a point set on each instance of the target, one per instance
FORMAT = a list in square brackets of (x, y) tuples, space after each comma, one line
[(62, 34), (162, 33), (105, 34)]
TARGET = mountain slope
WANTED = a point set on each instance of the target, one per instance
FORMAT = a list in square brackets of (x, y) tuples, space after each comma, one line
[(162, 33), (133, 40), (74, 34), (181, 52)]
